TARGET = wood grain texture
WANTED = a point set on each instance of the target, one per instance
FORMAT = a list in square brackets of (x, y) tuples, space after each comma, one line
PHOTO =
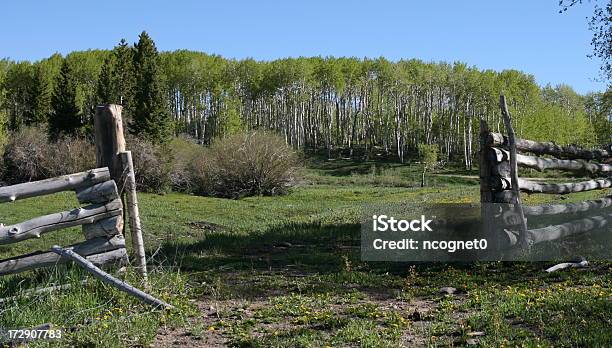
[(547, 148), (54, 185), (99, 193), (109, 279), (34, 228), (45, 258)]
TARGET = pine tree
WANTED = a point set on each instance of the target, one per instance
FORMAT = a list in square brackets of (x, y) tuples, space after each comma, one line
[(65, 119), (42, 96), (151, 117), (105, 90), (116, 80), (124, 75)]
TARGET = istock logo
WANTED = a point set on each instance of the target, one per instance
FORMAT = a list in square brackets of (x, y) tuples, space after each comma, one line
[(383, 223)]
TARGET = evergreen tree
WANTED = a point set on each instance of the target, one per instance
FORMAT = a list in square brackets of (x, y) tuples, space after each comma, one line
[(105, 91), (124, 75), (65, 117), (151, 117), (42, 96), (116, 80)]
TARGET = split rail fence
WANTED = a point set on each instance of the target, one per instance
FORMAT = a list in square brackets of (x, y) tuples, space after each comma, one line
[(500, 183)]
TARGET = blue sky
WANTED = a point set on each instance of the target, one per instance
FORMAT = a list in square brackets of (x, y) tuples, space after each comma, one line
[(527, 35)]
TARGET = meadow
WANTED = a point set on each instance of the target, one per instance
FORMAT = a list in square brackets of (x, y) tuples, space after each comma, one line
[(285, 271)]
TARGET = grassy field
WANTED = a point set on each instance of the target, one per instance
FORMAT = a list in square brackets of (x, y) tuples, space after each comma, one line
[(285, 271)]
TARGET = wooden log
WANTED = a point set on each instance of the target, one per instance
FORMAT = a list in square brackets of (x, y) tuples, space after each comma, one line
[(45, 258), (108, 279), (553, 209), (104, 228), (547, 148), (564, 188), (44, 224), (484, 169), (99, 193), (500, 155), (54, 185), (109, 139), (550, 233), (564, 265), (134, 214), (523, 237)]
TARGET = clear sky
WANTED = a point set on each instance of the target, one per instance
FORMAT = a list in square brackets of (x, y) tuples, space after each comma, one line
[(527, 35)]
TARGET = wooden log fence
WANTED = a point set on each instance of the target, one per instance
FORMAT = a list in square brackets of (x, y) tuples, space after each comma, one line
[(500, 183), (100, 192), (100, 219)]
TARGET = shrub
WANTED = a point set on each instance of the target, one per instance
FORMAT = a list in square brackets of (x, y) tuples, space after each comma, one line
[(29, 156), (247, 164), (184, 152), (152, 164)]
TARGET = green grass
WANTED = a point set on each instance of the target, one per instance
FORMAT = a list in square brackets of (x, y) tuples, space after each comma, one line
[(285, 272)]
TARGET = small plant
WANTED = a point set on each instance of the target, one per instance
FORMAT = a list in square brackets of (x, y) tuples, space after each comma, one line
[(429, 156)]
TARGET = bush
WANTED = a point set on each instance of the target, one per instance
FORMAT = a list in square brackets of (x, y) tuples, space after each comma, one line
[(184, 152), (248, 164), (152, 164), (29, 156)]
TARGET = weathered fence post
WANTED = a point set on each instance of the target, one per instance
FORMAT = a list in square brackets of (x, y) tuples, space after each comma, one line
[(132, 207), (110, 141), (110, 152), (523, 238)]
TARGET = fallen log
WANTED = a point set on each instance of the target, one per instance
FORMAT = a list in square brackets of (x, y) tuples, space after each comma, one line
[(44, 224), (541, 164), (100, 251), (564, 265), (569, 151), (564, 188), (53, 185), (107, 278), (550, 233), (553, 209)]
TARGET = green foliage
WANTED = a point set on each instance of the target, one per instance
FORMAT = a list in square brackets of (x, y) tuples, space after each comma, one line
[(429, 157), (116, 80), (342, 105), (66, 116), (151, 118)]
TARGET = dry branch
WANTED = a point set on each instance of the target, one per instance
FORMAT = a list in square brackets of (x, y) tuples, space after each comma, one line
[(43, 224), (54, 185), (107, 278), (564, 265)]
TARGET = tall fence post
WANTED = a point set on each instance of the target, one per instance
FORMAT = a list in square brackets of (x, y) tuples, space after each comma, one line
[(110, 141), (110, 152)]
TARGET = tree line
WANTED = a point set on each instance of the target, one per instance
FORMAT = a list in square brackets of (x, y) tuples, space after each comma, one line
[(335, 104)]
